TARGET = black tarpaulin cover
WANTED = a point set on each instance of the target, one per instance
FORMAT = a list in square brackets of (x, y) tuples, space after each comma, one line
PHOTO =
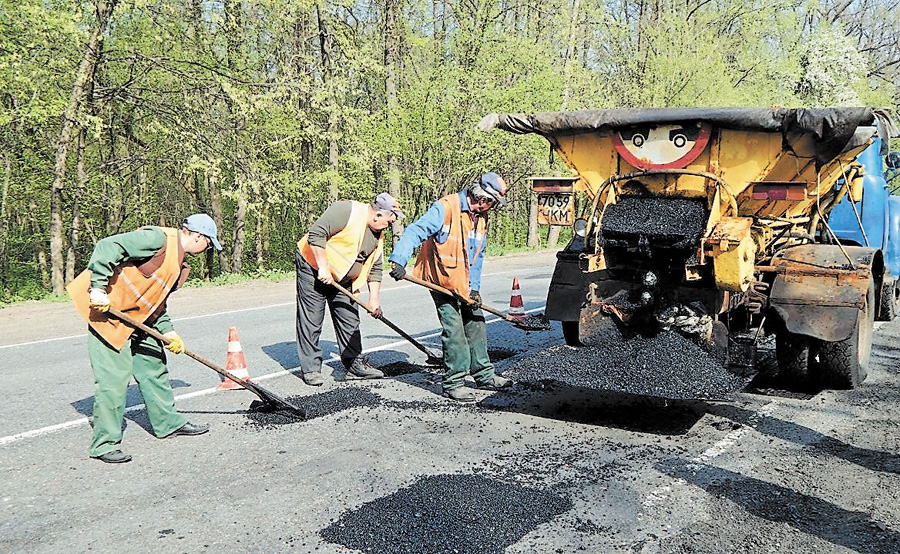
[(832, 128)]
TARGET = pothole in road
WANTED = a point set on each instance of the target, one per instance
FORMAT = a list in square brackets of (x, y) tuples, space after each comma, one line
[(466, 514)]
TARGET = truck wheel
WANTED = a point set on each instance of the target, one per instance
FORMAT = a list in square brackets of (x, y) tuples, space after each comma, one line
[(887, 307), (792, 352), (844, 364), (570, 333)]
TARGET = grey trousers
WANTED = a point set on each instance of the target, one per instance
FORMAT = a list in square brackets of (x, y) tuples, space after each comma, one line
[(312, 296)]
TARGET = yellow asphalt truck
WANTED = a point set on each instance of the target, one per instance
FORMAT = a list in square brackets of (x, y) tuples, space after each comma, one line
[(713, 222)]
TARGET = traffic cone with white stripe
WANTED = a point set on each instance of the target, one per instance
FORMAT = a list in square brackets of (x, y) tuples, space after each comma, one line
[(516, 307), (235, 364)]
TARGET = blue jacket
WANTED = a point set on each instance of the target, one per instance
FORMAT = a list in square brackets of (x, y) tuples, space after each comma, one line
[(429, 225)]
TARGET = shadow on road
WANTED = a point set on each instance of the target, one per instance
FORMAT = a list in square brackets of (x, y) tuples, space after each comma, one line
[(875, 460), (607, 409), (85, 406), (851, 529)]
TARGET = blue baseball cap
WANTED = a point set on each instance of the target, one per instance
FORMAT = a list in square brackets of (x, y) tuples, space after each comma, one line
[(388, 203), (203, 224), (494, 186)]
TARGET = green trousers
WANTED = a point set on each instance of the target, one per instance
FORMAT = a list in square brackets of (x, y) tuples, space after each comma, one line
[(143, 358), (465, 342)]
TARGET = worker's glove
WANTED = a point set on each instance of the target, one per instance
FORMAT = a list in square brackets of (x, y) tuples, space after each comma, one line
[(176, 343), (397, 271), (99, 300), (475, 297)]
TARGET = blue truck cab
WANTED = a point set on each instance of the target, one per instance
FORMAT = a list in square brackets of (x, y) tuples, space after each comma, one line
[(874, 221)]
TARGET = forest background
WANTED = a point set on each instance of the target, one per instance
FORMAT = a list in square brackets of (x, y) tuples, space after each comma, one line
[(120, 113)]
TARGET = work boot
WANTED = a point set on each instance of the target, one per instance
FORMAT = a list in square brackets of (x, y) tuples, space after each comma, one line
[(114, 457), (362, 370), (459, 395), (189, 429), (314, 378), (496, 383)]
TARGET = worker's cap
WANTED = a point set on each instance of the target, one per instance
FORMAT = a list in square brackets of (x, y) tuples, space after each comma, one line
[(203, 224), (388, 203), (494, 186)]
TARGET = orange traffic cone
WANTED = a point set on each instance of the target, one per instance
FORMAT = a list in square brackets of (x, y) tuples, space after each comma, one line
[(235, 364), (516, 308)]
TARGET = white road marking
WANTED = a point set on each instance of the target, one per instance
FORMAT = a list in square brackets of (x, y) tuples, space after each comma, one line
[(659, 495), (9, 439), (269, 307)]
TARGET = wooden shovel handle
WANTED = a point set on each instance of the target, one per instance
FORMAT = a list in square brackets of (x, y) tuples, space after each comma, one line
[(467, 301)]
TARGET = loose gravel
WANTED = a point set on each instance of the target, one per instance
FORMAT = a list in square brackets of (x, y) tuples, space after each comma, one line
[(673, 218), (666, 365), (458, 514)]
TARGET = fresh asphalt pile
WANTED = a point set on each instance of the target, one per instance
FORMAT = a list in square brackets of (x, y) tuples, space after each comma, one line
[(396, 369), (666, 365), (671, 218), (454, 514), (262, 416), (316, 405), (533, 322)]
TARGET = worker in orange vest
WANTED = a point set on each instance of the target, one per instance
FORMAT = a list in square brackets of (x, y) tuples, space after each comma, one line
[(453, 235), (136, 272), (345, 246)]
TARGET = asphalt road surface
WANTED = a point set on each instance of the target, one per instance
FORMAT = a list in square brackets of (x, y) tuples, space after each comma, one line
[(389, 466)]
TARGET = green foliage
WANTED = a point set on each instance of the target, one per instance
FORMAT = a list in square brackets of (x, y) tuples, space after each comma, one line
[(260, 112)]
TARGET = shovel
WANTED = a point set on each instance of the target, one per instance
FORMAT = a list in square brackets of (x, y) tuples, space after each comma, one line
[(268, 397), (433, 359), (524, 323)]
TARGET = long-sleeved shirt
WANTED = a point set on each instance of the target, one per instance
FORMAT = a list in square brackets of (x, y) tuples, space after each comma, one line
[(332, 220), (430, 224), (136, 247)]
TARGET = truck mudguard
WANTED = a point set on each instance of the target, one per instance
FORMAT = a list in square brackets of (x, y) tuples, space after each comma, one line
[(817, 291)]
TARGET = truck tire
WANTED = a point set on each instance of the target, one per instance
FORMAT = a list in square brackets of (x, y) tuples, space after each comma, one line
[(887, 307), (570, 333), (844, 364), (792, 353)]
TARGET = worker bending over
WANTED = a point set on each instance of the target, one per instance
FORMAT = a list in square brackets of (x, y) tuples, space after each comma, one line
[(454, 233), (344, 246), (135, 273)]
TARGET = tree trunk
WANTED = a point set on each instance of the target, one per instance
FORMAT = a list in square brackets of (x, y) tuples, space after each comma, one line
[(75, 231), (40, 254), (240, 222), (218, 215), (103, 10), (262, 240), (4, 225), (333, 146), (391, 57)]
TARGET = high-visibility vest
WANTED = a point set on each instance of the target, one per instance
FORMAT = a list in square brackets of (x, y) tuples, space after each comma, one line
[(342, 248), (447, 263), (139, 291)]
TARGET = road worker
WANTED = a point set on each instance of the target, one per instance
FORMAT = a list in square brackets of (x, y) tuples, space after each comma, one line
[(454, 232), (135, 273), (344, 246)]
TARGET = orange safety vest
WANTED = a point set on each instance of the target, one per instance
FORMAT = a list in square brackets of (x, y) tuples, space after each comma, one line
[(139, 291), (342, 248), (447, 264)]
